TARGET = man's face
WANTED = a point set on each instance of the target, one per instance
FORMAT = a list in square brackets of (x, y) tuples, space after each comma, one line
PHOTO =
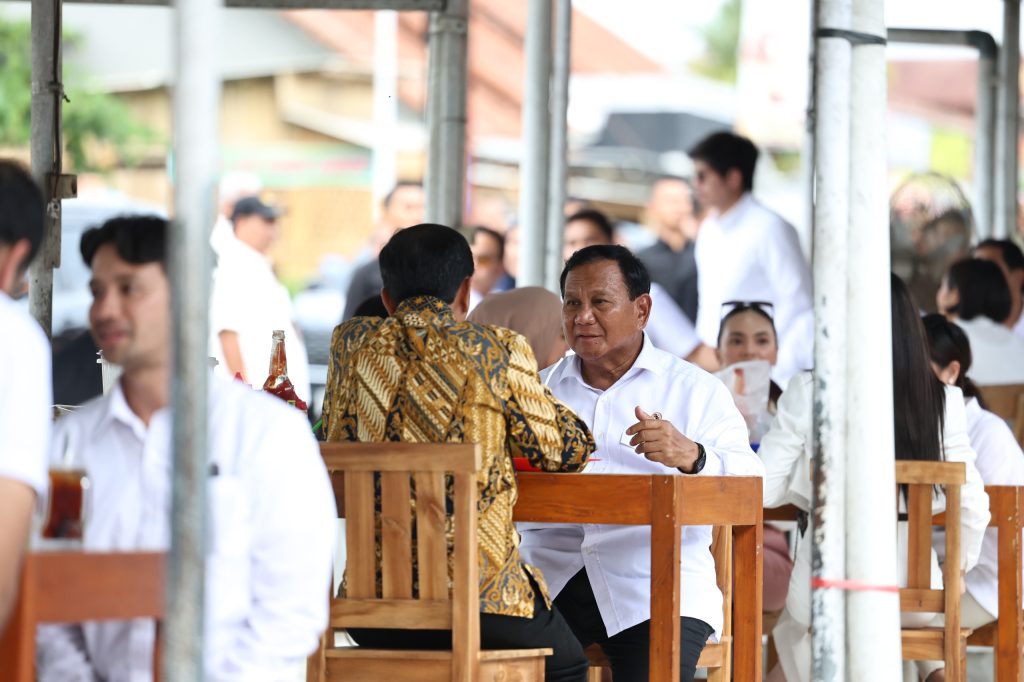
[(713, 190), (598, 318), (258, 232), (670, 204), (512, 252), (406, 207), (580, 234), (130, 316), (1014, 278), (487, 266)]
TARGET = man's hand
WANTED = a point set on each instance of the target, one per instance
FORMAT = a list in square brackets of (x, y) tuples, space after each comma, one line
[(659, 441)]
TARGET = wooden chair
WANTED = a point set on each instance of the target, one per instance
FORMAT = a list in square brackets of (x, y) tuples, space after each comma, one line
[(1007, 402), (74, 587), (716, 656), (436, 607), (948, 643), (1006, 635)]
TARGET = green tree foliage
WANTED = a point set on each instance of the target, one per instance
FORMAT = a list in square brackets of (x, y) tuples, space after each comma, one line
[(721, 43), (90, 118)]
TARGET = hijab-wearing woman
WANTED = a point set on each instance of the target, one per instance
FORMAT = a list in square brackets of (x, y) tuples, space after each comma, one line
[(930, 424), (1000, 460), (534, 312), (975, 295)]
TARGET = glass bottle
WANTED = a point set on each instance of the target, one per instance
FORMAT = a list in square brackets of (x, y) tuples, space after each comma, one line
[(277, 382)]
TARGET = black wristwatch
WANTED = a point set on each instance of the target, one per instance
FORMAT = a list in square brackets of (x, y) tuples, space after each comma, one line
[(698, 466)]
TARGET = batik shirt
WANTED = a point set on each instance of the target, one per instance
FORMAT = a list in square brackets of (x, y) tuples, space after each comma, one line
[(421, 377)]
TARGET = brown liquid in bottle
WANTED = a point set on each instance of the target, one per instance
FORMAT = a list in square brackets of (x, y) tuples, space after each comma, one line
[(277, 382)]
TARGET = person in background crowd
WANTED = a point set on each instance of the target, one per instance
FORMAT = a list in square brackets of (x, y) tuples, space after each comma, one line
[(248, 303), (534, 312), (673, 214), (668, 326), (488, 392), (652, 414), (1000, 461), (1010, 258), (930, 424), (745, 252), (748, 333), (511, 259), (271, 507), (974, 294), (233, 187), (25, 403), (489, 274), (402, 207)]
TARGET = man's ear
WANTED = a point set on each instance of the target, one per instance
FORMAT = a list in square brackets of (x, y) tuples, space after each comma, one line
[(460, 306), (734, 180), (13, 259), (389, 303), (643, 304)]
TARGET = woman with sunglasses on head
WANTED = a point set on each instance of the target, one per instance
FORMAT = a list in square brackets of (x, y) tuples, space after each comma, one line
[(748, 334), (1000, 460), (929, 424)]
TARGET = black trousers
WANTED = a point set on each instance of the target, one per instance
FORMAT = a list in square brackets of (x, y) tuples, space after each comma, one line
[(547, 628), (629, 650)]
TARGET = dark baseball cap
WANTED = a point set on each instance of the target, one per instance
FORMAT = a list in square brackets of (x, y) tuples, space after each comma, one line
[(254, 206)]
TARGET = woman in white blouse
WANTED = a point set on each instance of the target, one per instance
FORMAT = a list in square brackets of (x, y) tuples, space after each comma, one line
[(930, 424), (1000, 460), (975, 295)]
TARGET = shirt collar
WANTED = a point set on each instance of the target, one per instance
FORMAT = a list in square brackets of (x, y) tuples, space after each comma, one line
[(117, 410), (736, 212), (423, 310), (650, 359)]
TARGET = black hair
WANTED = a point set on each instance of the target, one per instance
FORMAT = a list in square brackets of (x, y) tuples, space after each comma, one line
[(371, 307), (919, 398), (22, 208), (948, 342), (634, 274), (425, 260), (138, 239), (1013, 257), (751, 307), (399, 185), (724, 151), (493, 234), (982, 289), (595, 218)]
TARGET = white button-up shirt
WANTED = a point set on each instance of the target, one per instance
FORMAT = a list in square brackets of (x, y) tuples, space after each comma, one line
[(25, 402), (998, 353), (270, 533), (248, 300), (751, 254), (668, 326), (618, 558)]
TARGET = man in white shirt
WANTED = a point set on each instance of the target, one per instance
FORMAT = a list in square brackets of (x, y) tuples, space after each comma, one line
[(669, 327), (745, 252), (248, 303), (25, 402), (271, 510), (650, 413), (233, 188)]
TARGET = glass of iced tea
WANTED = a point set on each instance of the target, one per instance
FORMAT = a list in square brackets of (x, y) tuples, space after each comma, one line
[(65, 513)]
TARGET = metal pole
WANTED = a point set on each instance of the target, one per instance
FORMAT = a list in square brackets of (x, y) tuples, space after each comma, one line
[(196, 116), (1008, 120), (559, 163), (446, 113), (385, 103), (984, 112), (872, 616), (47, 92), (831, 219), (533, 167)]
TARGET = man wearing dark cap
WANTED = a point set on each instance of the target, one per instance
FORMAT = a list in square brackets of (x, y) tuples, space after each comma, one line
[(248, 303)]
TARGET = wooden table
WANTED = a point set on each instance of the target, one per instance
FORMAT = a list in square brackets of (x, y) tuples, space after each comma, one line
[(73, 587), (666, 503)]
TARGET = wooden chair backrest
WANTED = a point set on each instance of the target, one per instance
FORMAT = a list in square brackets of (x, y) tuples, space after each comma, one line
[(400, 466), (721, 549), (1007, 402), (921, 478)]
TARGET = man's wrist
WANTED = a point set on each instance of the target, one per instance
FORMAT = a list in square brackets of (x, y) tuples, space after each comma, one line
[(698, 464)]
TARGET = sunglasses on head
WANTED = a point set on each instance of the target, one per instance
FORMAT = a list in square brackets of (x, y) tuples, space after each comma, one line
[(729, 307)]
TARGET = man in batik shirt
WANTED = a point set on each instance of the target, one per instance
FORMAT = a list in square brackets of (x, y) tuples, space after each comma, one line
[(424, 375)]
